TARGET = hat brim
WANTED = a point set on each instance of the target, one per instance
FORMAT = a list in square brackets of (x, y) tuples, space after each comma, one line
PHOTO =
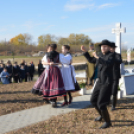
[(104, 44), (114, 46)]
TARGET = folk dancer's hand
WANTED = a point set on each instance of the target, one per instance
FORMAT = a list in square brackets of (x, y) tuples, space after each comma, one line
[(51, 63), (83, 49), (95, 55)]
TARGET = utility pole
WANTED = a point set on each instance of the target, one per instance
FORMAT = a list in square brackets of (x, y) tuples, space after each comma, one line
[(5, 47)]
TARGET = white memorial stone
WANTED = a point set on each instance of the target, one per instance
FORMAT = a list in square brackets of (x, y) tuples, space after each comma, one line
[(126, 84)]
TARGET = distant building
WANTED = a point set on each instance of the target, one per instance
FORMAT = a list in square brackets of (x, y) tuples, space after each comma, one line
[(39, 54)]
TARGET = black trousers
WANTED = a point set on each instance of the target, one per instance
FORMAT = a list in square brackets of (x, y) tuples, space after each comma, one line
[(26, 78), (115, 87), (10, 79), (16, 79), (31, 77), (21, 79), (101, 95)]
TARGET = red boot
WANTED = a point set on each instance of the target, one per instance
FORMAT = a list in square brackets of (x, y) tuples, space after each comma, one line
[(70, 101), (64, 103)]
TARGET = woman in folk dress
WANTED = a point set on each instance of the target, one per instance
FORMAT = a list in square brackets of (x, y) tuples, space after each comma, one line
[(68, 73), (52, 83)]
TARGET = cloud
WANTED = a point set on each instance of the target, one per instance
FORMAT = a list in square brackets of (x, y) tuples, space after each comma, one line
[(6, 28), (40, 15), (48, 27), (97, 29), (31, 24), (3, 30), (76, 5), (107, 5), (64, 17)]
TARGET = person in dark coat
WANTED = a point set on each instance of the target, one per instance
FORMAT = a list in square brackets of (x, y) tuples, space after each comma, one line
[(32, 70), (103, 87), (1, 67), (9, 70), (116, 74), (40, 68), (16, 70), (22, 73), (27, 74)]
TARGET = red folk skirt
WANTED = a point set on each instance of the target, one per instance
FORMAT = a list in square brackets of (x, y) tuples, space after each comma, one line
[(50, 84)]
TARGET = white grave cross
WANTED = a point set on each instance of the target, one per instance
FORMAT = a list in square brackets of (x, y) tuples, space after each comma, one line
[(118, 30)]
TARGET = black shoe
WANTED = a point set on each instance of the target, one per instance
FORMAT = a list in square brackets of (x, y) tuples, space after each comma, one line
[(105, 125), (54, 104), (98, 118), (99, 111), (114, 103), (105, 116)]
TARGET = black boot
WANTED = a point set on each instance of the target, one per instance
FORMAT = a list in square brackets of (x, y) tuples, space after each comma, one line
[(106, 118), (54, 103), (99, 118), (114, 103)]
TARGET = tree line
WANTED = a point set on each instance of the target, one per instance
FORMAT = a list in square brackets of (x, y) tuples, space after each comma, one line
[(24, 42)]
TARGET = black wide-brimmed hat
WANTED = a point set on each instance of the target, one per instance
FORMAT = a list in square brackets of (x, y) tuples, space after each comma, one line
[(105, 42), (113, 45)]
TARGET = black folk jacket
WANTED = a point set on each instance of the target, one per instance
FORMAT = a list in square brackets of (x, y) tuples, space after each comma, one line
[(116, 67), (105, 65)]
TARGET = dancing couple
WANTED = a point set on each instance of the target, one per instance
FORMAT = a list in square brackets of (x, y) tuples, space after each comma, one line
[(55, 81)]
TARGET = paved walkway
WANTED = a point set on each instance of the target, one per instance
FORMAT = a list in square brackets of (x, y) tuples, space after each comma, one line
[(31, 116)]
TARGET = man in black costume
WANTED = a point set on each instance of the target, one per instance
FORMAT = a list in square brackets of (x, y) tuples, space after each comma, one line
[(40, 68), (103, 88), (116, 74)]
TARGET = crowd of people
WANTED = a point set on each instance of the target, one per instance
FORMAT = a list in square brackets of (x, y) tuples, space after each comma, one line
[(16, 73), (54, 82)]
